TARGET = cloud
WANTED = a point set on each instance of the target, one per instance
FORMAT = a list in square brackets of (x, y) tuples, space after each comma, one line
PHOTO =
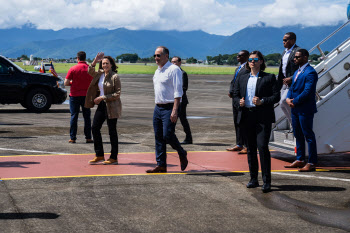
[(304, 12), (222, 17), (112, 14)]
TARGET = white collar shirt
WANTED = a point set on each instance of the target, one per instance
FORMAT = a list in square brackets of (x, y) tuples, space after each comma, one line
[(285, 60), (100, 84), (167, 83), (250, 93)]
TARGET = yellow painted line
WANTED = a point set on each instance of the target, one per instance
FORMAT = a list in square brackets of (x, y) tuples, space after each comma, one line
[(152, 174)]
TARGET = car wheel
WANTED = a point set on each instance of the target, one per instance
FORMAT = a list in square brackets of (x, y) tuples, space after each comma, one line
[(38, 100)]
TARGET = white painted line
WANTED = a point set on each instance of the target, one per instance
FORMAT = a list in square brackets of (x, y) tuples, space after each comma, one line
[(34, 151), (309, 176)]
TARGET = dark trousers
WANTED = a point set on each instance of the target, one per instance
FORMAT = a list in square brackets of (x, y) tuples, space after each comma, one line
[(99, 119), (184, 121), (75, 102), (164, 132), (302, 128), (257, 136), (239, 132)]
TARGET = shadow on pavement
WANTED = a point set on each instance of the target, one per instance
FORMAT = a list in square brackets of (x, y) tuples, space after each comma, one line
[(309, 188), (13, 216), (16, 164), (211, 173), (5, 131), (26, 111), (211, 144), (14, 124), (145, 164)]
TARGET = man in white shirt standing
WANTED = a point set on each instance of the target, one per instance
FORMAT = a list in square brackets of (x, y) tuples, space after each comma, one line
[(167, 81), (286, 71)]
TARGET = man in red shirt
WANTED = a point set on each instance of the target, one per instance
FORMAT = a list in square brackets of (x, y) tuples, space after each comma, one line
[(79, 80)]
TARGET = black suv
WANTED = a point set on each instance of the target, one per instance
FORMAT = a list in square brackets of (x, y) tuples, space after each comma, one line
[(34, 91)]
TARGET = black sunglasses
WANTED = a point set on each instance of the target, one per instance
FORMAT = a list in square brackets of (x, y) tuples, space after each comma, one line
[(253, 59), (297, 57), (285, 40), (156, 55)]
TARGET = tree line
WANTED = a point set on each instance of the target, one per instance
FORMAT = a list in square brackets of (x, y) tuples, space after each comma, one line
[(273, 59), (225, 59)]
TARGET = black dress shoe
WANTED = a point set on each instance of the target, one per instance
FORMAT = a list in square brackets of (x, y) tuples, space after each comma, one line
[(157, 169), (253, 184), (266, 187), (183, 161), (186, 142)]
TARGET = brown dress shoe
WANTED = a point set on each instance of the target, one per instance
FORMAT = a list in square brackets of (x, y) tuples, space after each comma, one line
[(157, 169), (296, 164), (243, 151), (235, 148), (89, 141), (71, 141), (308, 168)]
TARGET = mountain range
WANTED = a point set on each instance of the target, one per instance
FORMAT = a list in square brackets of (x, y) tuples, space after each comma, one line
[(66, 42)]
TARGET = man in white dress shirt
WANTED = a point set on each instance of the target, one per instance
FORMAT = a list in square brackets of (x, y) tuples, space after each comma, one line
[(167, 81), (286, 70)]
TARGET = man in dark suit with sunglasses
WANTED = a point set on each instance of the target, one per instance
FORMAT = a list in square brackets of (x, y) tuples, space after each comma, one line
[(286, 70), (242, 58), (302, 99)]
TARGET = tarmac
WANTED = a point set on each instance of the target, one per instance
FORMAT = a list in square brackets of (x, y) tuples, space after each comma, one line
[(48, 186)]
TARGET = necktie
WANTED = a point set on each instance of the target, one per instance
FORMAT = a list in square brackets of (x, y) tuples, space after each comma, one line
[(239, 68), (296, 76)]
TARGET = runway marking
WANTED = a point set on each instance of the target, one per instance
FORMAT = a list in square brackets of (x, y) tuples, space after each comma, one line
[(310, 176), (277, 172), (58, 154), (33, 151)]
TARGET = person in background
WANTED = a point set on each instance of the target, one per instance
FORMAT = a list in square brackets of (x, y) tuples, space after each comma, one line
[(104, 91), (184, 102), (242, 58), (256, 93), (79, 80)]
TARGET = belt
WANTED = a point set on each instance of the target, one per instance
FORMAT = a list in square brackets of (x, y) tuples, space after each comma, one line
[(252, 109), (165, 105)]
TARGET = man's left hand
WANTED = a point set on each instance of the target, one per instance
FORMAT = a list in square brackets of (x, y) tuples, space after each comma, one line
[(290, 102), (256, 101), (287, 81)]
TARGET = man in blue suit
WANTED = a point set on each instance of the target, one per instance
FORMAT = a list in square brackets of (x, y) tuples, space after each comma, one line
[(301, 98)]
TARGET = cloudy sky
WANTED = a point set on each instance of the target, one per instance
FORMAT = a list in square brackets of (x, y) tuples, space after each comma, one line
[(222, 17)]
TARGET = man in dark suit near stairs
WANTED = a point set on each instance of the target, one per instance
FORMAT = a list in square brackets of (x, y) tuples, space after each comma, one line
[(286, 70), (242, 58), (302, 99), (184, 101)]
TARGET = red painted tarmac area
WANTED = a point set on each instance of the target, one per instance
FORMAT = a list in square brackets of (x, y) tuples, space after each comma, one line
[(76, 165)]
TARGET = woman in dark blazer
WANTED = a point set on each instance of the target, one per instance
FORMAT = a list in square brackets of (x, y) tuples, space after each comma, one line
[(255, 94)]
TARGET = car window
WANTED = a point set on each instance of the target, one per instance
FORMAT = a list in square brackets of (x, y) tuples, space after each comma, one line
[(3, 69)]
